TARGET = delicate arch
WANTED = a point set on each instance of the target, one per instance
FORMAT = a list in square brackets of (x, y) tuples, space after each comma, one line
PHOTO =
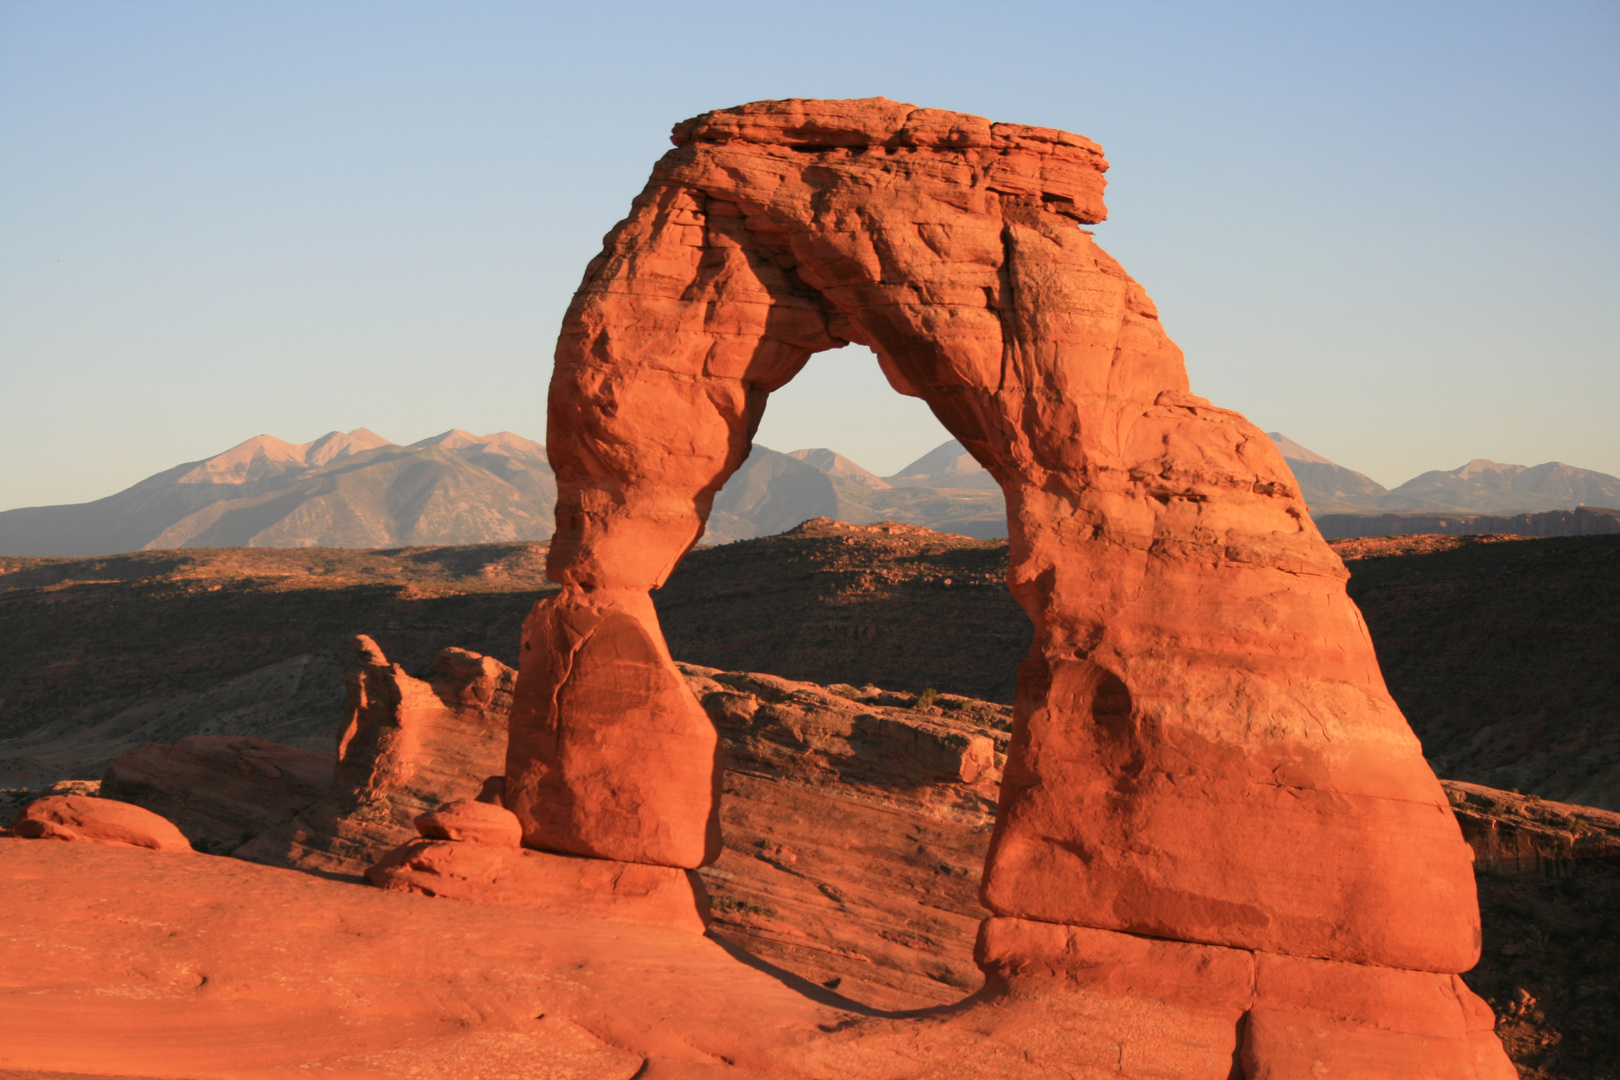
[(1204, 749)]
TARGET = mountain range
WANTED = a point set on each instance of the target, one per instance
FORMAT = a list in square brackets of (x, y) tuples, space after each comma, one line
[(359, 490), (1479, 487)]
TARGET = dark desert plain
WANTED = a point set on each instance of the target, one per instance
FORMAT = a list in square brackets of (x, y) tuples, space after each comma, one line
[(1040, 717)]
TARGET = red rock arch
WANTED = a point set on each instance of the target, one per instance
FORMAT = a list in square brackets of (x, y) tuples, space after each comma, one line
[(1204, 747)]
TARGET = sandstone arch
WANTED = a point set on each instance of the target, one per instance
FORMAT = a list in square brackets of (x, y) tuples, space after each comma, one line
[(1205, 751)]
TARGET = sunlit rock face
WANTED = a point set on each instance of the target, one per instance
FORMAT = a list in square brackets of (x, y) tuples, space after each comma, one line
[(1204, 748)]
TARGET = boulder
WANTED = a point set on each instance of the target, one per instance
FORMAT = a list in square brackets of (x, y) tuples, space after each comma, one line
[(472, 822), (220, 790), (88, 819)]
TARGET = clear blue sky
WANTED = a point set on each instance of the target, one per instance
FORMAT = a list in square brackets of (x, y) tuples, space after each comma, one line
[(1390, 231)]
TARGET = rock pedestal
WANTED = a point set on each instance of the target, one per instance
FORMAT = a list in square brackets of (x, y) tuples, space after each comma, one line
[(470, 851), (1204, 752)]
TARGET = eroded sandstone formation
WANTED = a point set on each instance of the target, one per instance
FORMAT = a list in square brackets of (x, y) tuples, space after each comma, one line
[(1204, 749), (409, 745)]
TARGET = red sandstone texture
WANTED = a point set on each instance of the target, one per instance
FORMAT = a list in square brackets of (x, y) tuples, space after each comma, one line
[(1204, 749), (190, 965)]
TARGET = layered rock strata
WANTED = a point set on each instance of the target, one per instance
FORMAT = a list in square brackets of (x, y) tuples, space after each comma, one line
[(1204, 749), (470, 851)]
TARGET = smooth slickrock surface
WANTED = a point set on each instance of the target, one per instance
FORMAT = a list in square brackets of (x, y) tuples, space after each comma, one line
[(220, 790), (408, 746), (563, 887), (194, 966), (1204, 747), (851, 865)]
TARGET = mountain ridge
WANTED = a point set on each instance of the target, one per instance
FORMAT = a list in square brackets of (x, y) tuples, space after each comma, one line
[(358, 489)]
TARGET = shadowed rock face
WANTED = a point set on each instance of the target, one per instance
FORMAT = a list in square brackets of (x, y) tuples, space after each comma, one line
[(1204, 749)]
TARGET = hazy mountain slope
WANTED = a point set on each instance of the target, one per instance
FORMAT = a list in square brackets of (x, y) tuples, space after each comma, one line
[(839, 467), (774, 492), (387, 497), (1479, 487), (947, 465), (357, 489), (1328, 487), (770, 493), (1483, 486), (352, 489)]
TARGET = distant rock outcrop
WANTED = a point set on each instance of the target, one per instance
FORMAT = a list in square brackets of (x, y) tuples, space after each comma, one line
[(1517, 834), (409, 746), (1582, 521)]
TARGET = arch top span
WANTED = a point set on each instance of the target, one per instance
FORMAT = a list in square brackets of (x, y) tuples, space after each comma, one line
[(947, 244), (1204, 749)]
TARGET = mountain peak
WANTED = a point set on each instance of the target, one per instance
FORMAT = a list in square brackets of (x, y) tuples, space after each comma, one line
[(457, 439), (1292, 451), (837, 465), (337, 444), (947, 465), (1484, 466)]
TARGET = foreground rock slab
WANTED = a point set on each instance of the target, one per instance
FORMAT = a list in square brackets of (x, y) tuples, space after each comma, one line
[(201, 967)]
